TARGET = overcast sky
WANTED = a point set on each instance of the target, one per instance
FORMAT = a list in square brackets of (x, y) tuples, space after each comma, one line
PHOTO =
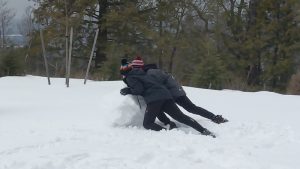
[(18, 6)]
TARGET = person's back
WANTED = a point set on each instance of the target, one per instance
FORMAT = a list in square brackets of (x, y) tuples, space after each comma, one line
[(180, 96), (146, 86), (168, 81)]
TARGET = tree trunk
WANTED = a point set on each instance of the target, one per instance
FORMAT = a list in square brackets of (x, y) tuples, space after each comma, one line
[(253, 4), (160, 61), (276, 48), (1, 37), (255, 71), (3, 34), (102, 36), (66, 42), (172, 59)]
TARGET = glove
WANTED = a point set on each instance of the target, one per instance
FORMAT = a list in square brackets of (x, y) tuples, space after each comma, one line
[(125, 91), (208, 133), (219, 119)]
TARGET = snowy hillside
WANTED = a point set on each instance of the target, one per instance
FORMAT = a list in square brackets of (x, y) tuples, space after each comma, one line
[(93, 127)]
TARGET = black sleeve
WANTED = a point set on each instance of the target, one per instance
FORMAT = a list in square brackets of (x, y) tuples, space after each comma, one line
[(165, 76), (135, 85), (124, 80)]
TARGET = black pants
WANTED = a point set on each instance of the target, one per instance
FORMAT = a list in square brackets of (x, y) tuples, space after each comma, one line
[(187, 104), (168, 106), (163, 118)]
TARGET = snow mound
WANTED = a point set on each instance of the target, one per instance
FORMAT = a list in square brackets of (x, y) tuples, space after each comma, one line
[(92, 126)]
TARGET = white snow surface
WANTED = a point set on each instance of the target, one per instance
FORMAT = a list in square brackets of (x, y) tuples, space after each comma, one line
[(93, 127)]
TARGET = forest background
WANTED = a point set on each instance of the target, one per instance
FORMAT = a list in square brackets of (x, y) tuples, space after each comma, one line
[(248, 45)]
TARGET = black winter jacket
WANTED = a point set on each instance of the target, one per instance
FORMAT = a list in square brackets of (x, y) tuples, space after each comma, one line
[(142, 84), (168, 81)]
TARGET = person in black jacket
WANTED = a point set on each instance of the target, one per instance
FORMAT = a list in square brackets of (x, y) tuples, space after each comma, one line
[(176, 90), (161, 115), (157, 98)]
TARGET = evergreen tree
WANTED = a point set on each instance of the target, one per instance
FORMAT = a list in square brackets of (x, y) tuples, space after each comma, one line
[(214, 43), (280, 34)]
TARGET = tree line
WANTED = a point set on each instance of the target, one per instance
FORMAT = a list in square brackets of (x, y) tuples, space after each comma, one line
[(247, 44)]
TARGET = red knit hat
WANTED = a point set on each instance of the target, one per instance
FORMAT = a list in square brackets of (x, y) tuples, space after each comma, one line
[(137, 62)]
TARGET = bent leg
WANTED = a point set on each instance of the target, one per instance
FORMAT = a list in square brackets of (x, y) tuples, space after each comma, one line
[(153, 109), (188, 105)]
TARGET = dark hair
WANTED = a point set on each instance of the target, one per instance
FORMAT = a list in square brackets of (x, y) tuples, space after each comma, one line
[(124, 62)]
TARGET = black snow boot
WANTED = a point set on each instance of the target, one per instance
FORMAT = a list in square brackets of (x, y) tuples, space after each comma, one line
[(219, 119), (208, 133), (172, 125)]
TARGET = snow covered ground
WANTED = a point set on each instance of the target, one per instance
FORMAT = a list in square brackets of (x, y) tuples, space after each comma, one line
[(93, 127)]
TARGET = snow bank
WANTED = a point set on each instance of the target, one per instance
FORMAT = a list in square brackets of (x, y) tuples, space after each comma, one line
[(92, 126)]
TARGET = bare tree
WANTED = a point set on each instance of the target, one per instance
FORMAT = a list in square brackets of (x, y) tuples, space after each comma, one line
[(26, 25), (6, 15), (26, 28)]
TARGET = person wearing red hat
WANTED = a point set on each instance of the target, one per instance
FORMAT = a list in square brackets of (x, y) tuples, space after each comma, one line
[(137, 62), (158, 99), (125, 67)]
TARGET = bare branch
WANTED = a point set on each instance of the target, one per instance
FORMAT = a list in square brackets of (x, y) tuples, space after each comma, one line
[(6, 15)]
